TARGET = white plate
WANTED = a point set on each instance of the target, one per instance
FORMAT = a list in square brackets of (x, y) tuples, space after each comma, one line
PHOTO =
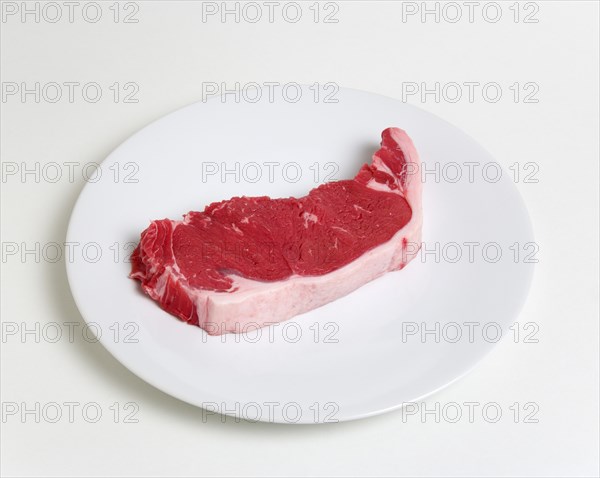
[(355, 357)]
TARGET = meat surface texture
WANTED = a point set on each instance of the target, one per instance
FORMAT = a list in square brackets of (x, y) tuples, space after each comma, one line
[(248, 262)]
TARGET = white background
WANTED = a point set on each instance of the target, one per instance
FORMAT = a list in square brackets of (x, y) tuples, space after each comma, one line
[(169, 53)]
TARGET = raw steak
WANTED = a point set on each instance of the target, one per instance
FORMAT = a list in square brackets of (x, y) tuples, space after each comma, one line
[(252, 261)]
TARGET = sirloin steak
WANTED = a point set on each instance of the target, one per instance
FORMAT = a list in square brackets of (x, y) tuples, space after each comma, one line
[(257, 261)]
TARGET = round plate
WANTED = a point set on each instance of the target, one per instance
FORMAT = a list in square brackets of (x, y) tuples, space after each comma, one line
[(395, 340)]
